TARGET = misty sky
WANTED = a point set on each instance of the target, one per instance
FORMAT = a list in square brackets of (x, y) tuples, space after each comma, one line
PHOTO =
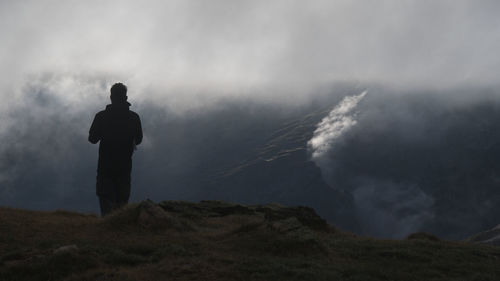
[(202, 49)]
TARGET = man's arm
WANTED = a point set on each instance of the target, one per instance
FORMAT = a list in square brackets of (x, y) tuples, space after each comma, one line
[(95, 130), (138, 133)]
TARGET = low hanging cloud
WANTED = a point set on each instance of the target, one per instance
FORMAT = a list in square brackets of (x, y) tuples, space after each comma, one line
[(390, 209)]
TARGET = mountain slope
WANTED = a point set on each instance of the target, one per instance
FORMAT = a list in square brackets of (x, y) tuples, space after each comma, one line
[(280, 170)]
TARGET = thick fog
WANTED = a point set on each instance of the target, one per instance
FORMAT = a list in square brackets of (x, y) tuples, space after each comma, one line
[(403, 97), (165, 49)]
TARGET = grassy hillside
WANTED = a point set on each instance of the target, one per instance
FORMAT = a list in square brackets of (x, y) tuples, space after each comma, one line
[(213, 240)]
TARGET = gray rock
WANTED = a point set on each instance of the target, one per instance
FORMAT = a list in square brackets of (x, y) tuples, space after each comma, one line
[(151, 214), (66, 249)]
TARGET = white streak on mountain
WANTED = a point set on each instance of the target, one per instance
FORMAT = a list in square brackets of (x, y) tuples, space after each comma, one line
[(340, 119)]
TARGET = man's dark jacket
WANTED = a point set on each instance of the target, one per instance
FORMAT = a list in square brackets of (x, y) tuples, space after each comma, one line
[(119, 131)]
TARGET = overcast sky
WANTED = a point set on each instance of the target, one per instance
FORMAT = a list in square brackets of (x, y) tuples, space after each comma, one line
[(206, 48)]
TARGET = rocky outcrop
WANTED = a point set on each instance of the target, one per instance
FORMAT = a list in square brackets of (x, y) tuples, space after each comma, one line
[(270, 212), (184, 215)]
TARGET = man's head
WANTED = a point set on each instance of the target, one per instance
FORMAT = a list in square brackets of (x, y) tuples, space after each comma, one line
[(118, 93)]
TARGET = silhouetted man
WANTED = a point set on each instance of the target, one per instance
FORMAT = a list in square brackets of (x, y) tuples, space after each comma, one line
[(119, 131)]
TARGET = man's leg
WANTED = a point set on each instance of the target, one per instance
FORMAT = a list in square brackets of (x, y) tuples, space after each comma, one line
[(105, 189), (122, 190), (107, 205)]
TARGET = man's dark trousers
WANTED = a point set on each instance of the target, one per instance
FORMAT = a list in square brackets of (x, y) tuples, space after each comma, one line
[(113, 192)]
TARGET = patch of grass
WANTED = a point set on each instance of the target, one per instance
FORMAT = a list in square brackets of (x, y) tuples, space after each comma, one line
[(243, 246), (272, 268), (118, 257), (141, 249), (423, 236), (174, 250), (51, 267), (247, 227)]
